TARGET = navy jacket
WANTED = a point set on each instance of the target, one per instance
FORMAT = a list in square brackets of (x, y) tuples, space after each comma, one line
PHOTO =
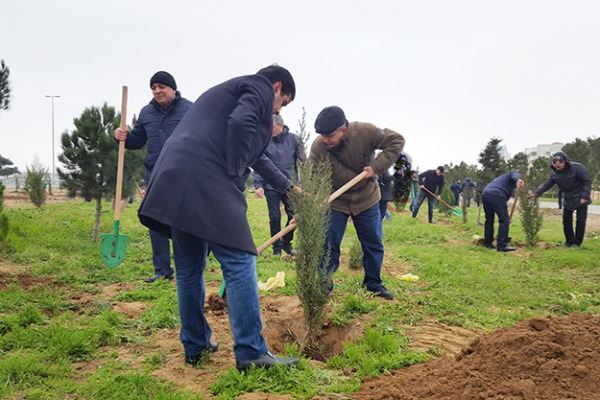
[(153, 128), (432, 181), (284, 150), (574, 181), (198, 181), (503, 186), (456, 188)]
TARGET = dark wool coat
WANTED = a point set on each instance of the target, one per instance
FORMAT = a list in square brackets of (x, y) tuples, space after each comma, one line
[(574, 181), (198, 181), (153, 128), (503, 186)]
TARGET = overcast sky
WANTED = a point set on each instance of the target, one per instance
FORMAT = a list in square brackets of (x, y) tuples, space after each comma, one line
[(448, 75)]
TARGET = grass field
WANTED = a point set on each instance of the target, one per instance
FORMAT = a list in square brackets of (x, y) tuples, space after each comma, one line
[(73, 329)]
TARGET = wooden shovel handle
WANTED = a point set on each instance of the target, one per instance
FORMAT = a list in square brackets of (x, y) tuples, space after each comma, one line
[(332, 197), (429, 191), (512, 209), (121, 160)]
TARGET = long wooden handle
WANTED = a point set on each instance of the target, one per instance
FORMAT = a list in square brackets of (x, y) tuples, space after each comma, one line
[(121, 160), (429, 191), (332, 197), (512, 209)]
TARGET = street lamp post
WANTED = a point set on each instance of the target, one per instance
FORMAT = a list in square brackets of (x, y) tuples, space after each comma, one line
[(53, 158)]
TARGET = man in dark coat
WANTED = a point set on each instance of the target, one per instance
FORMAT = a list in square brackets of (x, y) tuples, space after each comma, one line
[(154, 126), (432, 180), (467, 188), (576, 185), (196, 195), (494, 198), (285, 151)]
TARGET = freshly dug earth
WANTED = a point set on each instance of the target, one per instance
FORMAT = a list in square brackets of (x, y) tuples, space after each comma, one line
[(541, 359)]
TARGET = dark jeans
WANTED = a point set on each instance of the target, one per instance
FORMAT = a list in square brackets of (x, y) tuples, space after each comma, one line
[(576, 237), (456, 199), (161, 253), (430, 204), (274, 200), (368, 230), (494, 205)]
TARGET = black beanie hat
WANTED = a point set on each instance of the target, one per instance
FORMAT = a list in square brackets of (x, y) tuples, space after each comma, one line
[(165, 78), (329, 119)]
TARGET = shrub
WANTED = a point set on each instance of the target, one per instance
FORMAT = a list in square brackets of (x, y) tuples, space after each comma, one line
[(531, 218), (36, 181), (355, 257)]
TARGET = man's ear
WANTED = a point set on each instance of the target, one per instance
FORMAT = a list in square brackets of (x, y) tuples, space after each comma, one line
[(277, 86)]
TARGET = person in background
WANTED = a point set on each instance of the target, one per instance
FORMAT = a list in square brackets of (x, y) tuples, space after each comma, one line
[(574, 181), (285, 151), (457, 190), (196, 195), (384, 179), (350, 149), (495, 198), (467, 188), (154, 126), (432, 180)]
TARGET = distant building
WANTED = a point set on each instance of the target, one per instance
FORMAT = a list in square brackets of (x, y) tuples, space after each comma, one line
[(543, 150)]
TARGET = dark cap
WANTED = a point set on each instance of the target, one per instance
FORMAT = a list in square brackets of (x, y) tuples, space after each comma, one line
[(165, 78), (329, 119), (441, 169)]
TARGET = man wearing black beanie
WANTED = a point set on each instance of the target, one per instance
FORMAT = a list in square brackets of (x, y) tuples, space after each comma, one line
[(156, 123)]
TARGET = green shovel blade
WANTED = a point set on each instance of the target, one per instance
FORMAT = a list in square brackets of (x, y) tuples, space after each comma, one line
[(457, 212), (113, 247)]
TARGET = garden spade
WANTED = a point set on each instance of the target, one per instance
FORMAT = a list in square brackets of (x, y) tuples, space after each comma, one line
[(114, 245), (455, 210), (292, 225)]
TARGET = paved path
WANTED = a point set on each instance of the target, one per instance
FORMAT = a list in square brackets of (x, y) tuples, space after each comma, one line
[(592, 209)]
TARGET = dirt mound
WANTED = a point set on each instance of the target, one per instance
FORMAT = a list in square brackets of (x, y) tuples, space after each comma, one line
[(549, 358)]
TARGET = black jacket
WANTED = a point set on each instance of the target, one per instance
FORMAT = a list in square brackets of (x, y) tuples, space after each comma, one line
[(432, 181), (574, 180)]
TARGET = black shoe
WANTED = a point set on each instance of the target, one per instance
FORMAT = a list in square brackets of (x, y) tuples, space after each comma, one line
[(574, 246), (506, 249), (267, 360), (489, 246), (289, 249), (157, 277), (197, 358), (383, 292), (277, 253)]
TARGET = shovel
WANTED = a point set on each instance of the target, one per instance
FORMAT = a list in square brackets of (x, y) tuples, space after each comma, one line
[(113, 245), (512, 209), (293, 225), (455, 210)]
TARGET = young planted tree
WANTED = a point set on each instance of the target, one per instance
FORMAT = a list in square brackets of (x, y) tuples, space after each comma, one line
[(90, 157), (4, 86), (36, 181), (311, 209), (531, 217), (355, 257)]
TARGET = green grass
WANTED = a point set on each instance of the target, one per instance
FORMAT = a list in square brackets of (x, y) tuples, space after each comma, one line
[(46, 329)]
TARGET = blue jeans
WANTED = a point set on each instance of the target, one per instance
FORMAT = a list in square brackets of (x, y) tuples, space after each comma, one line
[(274, 200), (430, 204), (494, 205), (368, 230), (239, 271)]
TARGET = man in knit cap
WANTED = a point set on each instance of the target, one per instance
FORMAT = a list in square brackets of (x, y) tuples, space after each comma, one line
[(157, 121)]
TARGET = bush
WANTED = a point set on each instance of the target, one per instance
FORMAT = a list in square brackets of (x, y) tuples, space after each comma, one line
[(36, 181), (531, 218), (355, 257)]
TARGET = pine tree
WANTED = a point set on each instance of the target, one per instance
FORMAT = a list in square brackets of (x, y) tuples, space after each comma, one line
[(90, 158), (4, 86), (531, 217)]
